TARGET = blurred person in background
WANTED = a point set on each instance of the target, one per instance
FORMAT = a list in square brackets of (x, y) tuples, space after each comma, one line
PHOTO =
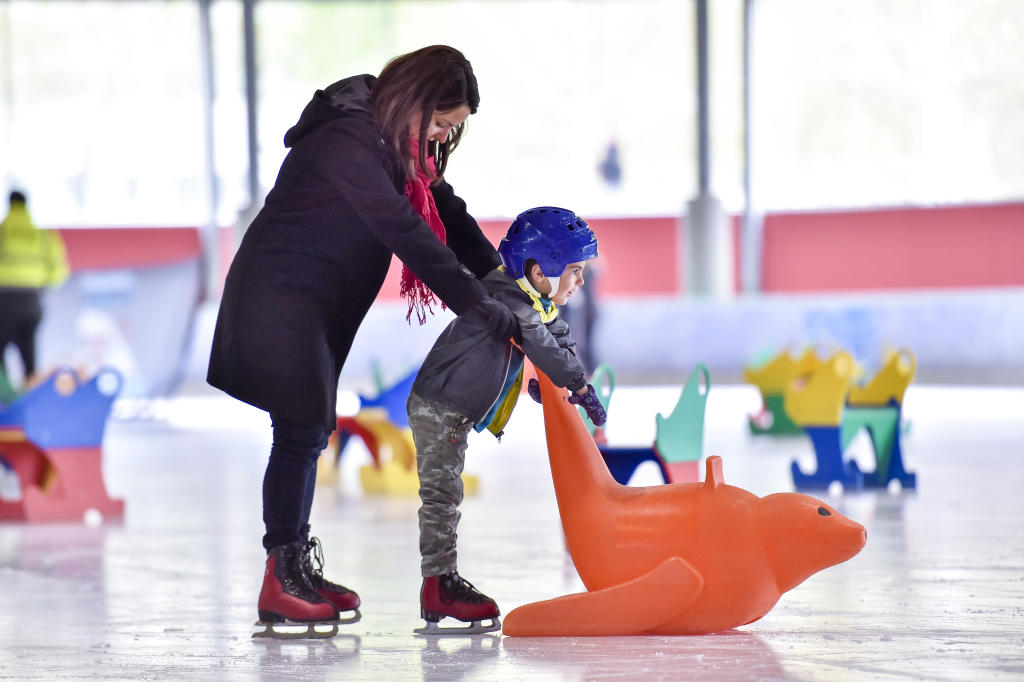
[(363, 180), (31, 260)]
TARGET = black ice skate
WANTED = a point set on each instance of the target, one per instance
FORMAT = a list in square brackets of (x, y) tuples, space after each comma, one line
[(341, 597), (450, 595), (289, 607)]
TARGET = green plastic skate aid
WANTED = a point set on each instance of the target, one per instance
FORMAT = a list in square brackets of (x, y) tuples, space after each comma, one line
[(603, 381), (882, 424), (7, 392), (680, 436), (781, 424), (378, 376)]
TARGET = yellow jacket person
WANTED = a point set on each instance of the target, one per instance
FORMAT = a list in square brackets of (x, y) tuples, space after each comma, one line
[(31, 259)]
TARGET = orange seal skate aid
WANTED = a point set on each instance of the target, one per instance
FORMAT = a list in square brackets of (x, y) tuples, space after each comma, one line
[(674, 559)]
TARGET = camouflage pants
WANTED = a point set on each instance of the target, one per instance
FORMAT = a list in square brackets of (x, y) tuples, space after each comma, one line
[(440, 436)]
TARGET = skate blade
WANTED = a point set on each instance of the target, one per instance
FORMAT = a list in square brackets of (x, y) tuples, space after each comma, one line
[(291, 630), (477, 627), (354, 618)]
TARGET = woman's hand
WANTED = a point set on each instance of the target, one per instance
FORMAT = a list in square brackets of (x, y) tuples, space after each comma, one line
[(497, 315)]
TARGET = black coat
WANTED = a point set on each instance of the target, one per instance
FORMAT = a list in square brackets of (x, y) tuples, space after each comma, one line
[(314, 259)]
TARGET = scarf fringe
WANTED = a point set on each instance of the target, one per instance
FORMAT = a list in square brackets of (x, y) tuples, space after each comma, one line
[(421, 299)]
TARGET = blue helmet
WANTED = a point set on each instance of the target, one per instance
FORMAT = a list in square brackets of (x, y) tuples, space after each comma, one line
[(554, 237)]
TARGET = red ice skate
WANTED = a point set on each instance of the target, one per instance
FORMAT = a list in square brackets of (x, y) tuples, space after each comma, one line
[(340, 596), (288, 599), (450, 595)]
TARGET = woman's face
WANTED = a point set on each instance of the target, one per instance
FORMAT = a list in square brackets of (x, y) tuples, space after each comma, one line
[(441, 123)]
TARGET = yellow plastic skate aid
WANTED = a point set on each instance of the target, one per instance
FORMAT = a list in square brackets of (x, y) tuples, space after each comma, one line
[(774, 376), (392, 479), (817, 398), (890, 383), (396, 453), (327, 470), (393, 442)]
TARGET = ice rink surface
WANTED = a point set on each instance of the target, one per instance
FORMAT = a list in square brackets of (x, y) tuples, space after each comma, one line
[(170, 592)]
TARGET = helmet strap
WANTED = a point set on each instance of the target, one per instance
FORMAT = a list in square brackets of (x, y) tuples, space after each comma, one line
[(554, 282), (529, 286)]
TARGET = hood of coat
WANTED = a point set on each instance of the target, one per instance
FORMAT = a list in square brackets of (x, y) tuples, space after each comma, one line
[(349, 97)]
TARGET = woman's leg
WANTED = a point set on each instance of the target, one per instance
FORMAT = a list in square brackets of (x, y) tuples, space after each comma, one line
[(290, 480)]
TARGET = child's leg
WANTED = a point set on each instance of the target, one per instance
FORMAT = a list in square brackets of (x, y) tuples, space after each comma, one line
[(440, 436)]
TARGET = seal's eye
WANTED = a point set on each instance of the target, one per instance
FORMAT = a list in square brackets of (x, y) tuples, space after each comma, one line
[(824, 512)]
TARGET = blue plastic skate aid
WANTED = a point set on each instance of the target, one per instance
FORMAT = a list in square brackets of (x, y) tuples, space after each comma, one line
[(51, 418), (393, 399), (622, 462), (828, 450)]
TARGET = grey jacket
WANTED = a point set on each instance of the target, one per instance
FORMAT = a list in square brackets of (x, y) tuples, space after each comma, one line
[(469, 366)]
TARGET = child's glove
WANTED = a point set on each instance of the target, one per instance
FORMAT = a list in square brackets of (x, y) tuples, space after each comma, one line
[(533, 388), (589, 402)]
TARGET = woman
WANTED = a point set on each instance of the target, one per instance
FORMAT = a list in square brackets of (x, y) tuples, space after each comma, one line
[(364, 179)]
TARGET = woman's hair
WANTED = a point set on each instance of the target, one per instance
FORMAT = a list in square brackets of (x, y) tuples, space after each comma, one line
[(436, 78)]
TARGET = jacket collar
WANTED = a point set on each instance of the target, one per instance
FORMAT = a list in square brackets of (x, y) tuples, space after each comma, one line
[(545, 307)]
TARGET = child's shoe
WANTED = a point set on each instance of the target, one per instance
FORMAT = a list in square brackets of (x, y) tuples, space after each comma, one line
[(450, 595)]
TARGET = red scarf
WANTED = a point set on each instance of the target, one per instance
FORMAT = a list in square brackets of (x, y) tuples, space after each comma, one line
[(420, 297)]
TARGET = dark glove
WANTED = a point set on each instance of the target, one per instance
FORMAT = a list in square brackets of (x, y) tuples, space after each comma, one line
[(533, 388), (589, 402), (497, 315)]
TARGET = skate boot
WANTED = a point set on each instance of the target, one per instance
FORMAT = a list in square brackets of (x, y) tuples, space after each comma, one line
[(450, 595), (289, 607), (340, 596)]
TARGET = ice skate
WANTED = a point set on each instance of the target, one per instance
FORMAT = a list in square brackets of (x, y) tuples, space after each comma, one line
[(289, 607), (450, 595), (289, 629), (343, 599)]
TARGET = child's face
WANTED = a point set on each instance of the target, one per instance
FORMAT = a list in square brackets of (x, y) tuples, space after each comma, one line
[(571, 279)]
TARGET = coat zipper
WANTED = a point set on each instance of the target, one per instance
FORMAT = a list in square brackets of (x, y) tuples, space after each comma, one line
[(508, 363)]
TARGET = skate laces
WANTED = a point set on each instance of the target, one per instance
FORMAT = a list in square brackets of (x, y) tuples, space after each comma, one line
[(314, 552), (291, 572), (458, 588)]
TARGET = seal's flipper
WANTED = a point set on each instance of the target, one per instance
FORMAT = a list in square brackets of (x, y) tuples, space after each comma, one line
[(630, 608)]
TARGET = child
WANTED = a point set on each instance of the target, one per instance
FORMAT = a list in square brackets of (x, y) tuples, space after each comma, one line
[(471, 379)]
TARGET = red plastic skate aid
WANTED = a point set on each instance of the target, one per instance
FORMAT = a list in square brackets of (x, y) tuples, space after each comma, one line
[(674, 559), (52, 437)]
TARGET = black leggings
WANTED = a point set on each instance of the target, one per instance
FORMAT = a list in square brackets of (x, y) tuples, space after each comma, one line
[(20, 313), (290, 480)]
